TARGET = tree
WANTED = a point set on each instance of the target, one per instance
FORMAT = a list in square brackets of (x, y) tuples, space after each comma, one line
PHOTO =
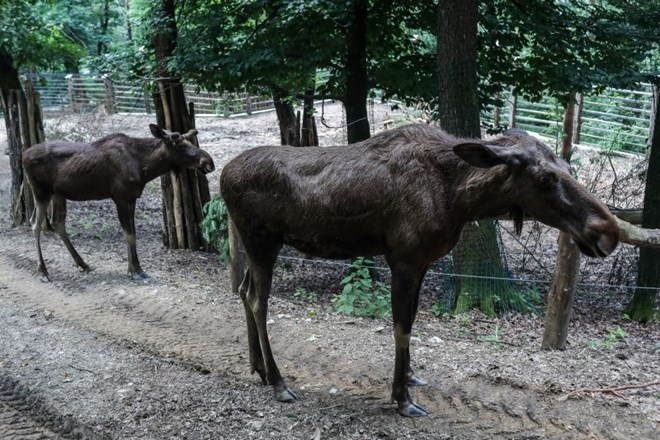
[(185, 192), (280, 45), (642, 306), (26, 43), (477, 253)]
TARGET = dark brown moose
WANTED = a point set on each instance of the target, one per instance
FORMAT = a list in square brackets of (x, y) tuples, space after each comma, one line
[(115, 167), (406, 194)]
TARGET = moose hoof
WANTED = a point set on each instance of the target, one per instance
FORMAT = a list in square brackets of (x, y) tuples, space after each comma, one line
[(139, 276), (86, 269), (411, 409), (416, 381), (46, 279), (285, 395)]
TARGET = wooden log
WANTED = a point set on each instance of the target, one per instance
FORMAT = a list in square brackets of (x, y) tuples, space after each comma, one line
[(634, 235), (178, 212)]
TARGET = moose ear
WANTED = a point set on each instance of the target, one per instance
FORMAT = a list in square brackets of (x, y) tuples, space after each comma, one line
[(481, 156), (156, 131), (191, 133)]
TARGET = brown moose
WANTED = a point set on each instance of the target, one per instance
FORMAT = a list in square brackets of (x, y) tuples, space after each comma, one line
[(406, 194), (115, 167)]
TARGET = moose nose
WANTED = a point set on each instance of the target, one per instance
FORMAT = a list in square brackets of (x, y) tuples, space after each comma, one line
[(606, 243), (208, 166), (606, 235)]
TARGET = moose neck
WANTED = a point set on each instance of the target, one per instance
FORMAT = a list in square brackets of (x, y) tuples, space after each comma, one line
[(153, 159), (483, 193)]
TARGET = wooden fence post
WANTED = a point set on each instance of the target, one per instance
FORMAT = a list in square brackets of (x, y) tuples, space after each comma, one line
[(562, 291), (248, 105), (70, 91), (513, 102), (109, 95), (577, 120)]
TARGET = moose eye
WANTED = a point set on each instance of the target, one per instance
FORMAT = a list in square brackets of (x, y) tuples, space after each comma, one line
[(547, 180)]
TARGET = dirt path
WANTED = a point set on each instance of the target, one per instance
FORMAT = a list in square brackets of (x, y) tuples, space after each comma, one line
[(100, 356)]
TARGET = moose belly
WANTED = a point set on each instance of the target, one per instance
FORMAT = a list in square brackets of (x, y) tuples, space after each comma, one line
[(338, 237), (336, 245)]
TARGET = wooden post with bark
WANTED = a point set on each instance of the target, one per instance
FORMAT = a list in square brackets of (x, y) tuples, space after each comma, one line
[(185, 192), (109, 95), (562, 292), (513, 104)]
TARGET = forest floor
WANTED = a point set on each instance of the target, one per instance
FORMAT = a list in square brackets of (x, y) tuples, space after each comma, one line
[(98, 355)]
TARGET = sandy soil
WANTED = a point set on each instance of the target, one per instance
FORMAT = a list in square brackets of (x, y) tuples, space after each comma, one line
[(98, 355)]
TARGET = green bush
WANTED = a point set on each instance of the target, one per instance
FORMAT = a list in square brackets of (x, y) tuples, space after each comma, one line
[(215, 226), (361, 296)]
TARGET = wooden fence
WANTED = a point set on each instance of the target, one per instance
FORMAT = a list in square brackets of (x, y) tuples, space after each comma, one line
[(81, 93), (616, 119)]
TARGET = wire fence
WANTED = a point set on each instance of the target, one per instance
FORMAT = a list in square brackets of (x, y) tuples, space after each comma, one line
[(614, 119), (617, 119)]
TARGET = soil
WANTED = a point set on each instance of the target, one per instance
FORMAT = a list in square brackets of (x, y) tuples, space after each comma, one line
[(98, 355)]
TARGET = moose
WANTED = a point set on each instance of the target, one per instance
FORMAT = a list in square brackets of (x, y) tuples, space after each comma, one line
[(405, 193), (116, 167)]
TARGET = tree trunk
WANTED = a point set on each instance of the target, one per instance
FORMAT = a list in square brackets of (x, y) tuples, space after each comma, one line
[(562, 291), (357, 84), (286, 117), (24, 126), (186, 191), (477, 253), (643, 304), (457, 67)]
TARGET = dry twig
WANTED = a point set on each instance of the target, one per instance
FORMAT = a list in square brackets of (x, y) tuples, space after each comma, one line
[(610, 390)]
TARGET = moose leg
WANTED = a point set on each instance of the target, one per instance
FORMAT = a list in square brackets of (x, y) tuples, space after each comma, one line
[(260, 265), (126, 213), (256, 357), (37, 223), (58, 221), (406, 282)]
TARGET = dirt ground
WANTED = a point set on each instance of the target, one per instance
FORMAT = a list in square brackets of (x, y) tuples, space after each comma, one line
[(97, 355)]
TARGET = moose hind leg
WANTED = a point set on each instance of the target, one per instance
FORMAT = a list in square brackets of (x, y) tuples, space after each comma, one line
[(256, 357), (126, 214), (261, 269), (58, 221), (37, 224), (406, 282)]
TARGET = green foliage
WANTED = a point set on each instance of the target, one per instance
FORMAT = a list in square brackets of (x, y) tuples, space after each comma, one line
[(303, 294), (610, 340), (215, 226), (494, 337), (361, 296), (440, 308)]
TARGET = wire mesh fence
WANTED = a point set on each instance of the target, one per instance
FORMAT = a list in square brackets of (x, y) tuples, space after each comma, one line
[(616, 119)]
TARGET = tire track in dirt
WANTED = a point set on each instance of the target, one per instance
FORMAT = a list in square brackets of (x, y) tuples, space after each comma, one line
[(23, 416), (209, 337), (154, 327)]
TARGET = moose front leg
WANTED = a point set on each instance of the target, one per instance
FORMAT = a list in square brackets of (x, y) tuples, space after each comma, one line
[(126, 213), (406, 282)]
